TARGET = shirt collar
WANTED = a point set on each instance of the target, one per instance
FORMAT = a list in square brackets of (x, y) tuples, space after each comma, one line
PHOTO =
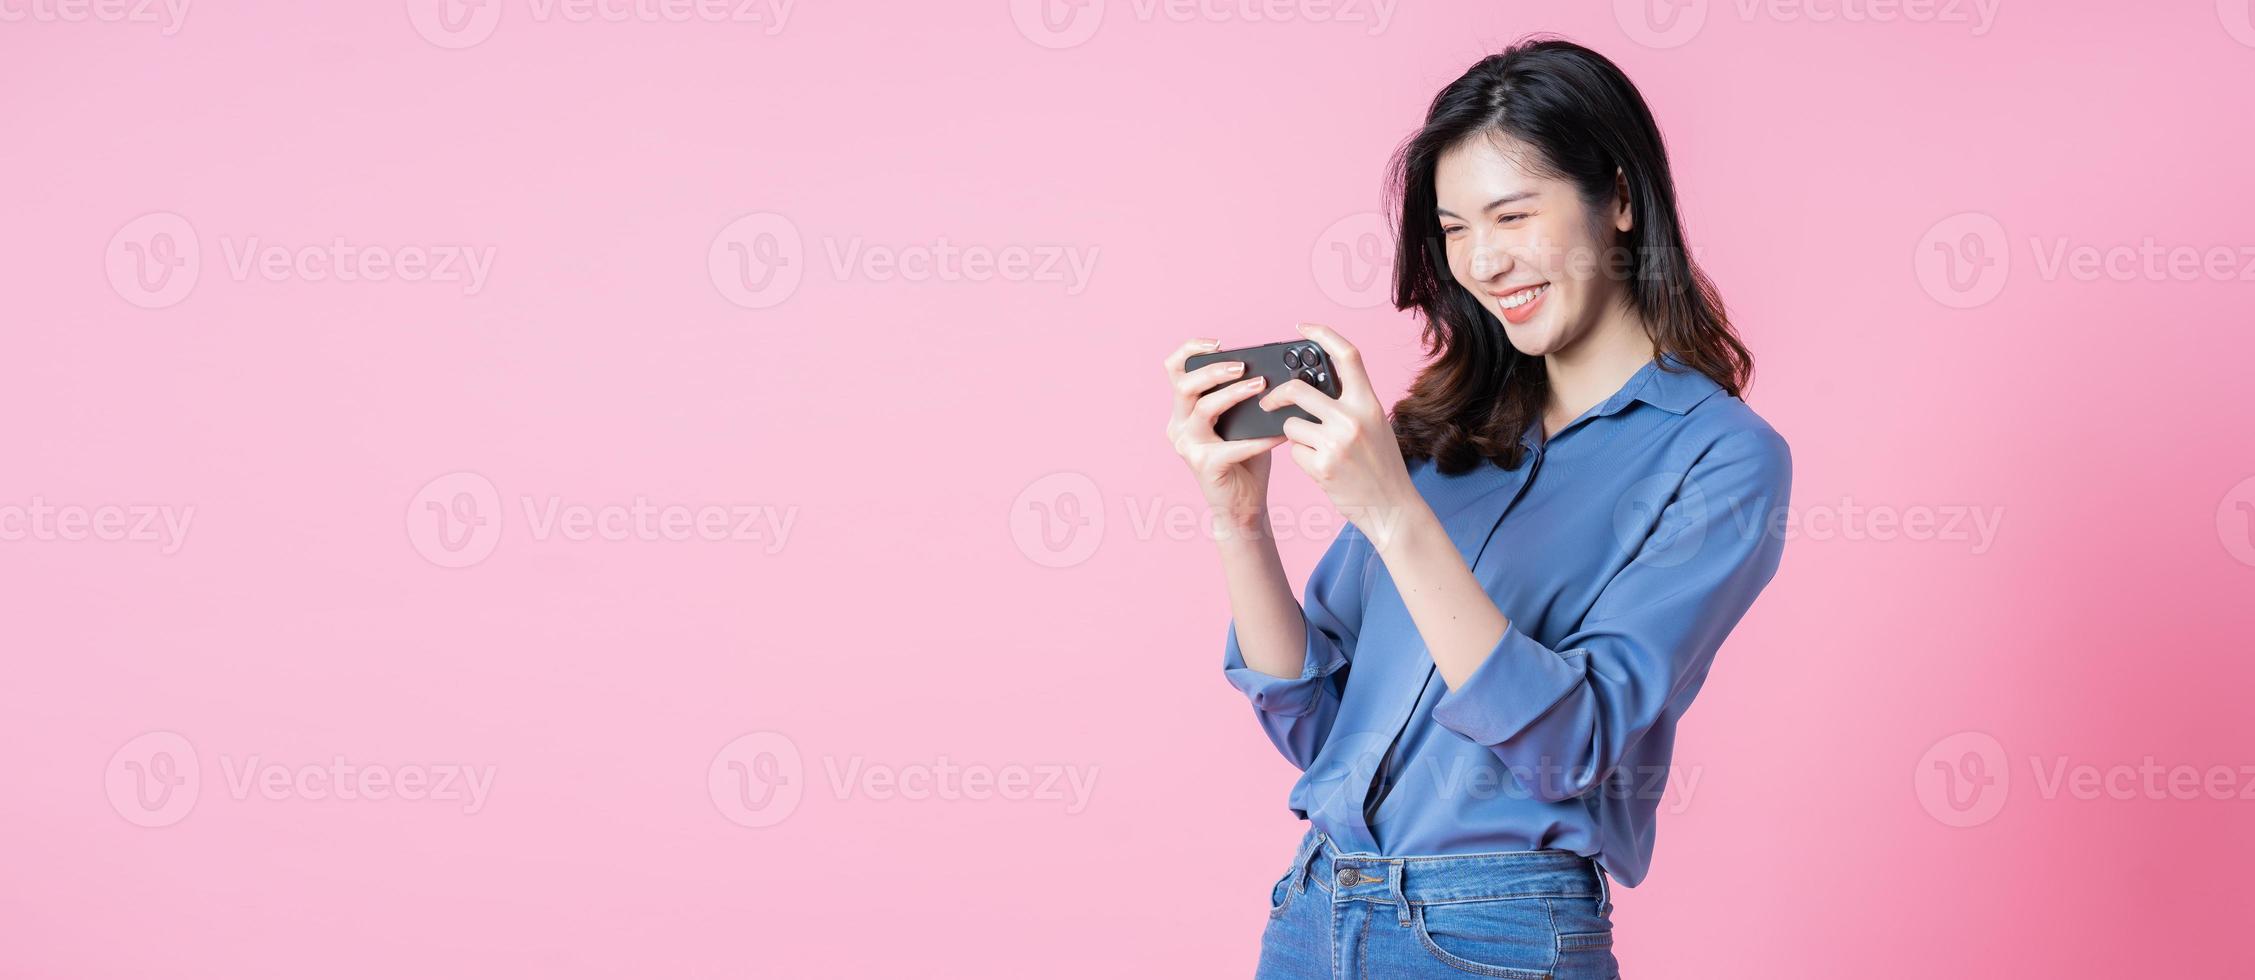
[(1672, 385), (1666, 383)]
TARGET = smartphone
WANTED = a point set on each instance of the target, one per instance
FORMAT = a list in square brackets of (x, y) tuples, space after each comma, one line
[(1279, 363)]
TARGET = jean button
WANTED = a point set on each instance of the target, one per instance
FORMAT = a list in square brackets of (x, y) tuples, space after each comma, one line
[(1348, 876)]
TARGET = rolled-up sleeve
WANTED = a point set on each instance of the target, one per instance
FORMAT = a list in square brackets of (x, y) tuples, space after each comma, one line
[(1297, 712), (1564, 716)]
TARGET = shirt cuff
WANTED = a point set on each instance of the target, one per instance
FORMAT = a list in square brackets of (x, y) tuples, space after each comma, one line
[(1290, 697), (1519, 682)]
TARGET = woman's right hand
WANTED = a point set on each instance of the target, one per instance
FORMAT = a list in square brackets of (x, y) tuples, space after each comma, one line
[(1233, 473)]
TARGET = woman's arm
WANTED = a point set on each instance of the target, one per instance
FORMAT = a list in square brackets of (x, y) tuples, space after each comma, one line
[(1572, 712), (1459, 623), (1298, 700), (1286, 657), (1271, 628), (1564, 716), (1568, 715), (1350, 452), (1233, 478)]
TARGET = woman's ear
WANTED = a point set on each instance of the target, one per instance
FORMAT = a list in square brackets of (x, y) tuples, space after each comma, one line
[(1623, 218)]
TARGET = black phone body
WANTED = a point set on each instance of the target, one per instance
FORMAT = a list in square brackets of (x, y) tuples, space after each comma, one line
[(1279, 362)]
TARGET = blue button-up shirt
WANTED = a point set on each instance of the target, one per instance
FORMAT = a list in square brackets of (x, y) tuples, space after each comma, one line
[(1622, 550)]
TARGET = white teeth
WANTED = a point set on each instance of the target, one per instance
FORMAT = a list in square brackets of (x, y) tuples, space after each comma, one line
[(1523, 297)]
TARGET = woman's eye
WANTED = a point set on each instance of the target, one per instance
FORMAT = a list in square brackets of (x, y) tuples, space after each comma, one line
[(1451, 229), (1509, 218)]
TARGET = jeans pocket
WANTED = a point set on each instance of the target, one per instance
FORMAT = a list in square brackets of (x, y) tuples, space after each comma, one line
[(1280, 894), (1508, 937)]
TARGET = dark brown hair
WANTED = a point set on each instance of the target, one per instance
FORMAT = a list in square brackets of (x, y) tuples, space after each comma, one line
[(1587, 124)]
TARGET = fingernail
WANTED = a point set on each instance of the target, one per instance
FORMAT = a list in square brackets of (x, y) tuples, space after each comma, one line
[(1235, 367), (1208, 343)]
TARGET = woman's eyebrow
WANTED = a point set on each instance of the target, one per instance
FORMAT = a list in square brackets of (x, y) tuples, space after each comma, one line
[(1497, 203)]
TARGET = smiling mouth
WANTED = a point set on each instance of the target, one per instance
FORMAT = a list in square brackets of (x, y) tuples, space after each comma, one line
[(1521, 296)]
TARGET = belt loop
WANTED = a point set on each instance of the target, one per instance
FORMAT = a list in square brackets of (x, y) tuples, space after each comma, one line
[(1300, 863), (1604, 890), (1394, 881)]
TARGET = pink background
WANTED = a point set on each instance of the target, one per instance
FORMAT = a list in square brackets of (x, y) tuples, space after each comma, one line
[(915, 616)]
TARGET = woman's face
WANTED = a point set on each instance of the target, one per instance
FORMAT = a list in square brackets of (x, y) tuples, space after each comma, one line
[(1526, 245)]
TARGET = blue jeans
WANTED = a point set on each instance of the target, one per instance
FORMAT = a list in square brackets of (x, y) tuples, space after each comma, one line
[(1533, 915)]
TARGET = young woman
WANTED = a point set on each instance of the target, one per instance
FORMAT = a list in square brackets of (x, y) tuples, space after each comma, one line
[(1563, 519)]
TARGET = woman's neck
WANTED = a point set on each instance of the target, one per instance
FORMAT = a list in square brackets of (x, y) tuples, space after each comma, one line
[(1592, 369)]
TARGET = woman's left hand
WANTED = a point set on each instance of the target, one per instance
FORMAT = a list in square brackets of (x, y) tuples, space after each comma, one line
[(1351, 454)]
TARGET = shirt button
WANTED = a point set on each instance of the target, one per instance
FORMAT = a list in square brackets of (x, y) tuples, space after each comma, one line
[(1348, 876)]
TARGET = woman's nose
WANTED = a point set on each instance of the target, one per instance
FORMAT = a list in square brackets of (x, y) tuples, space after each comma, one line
[(1489, 262)]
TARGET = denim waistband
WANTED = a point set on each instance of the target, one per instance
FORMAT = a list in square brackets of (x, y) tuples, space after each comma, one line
[(1434, 879)]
